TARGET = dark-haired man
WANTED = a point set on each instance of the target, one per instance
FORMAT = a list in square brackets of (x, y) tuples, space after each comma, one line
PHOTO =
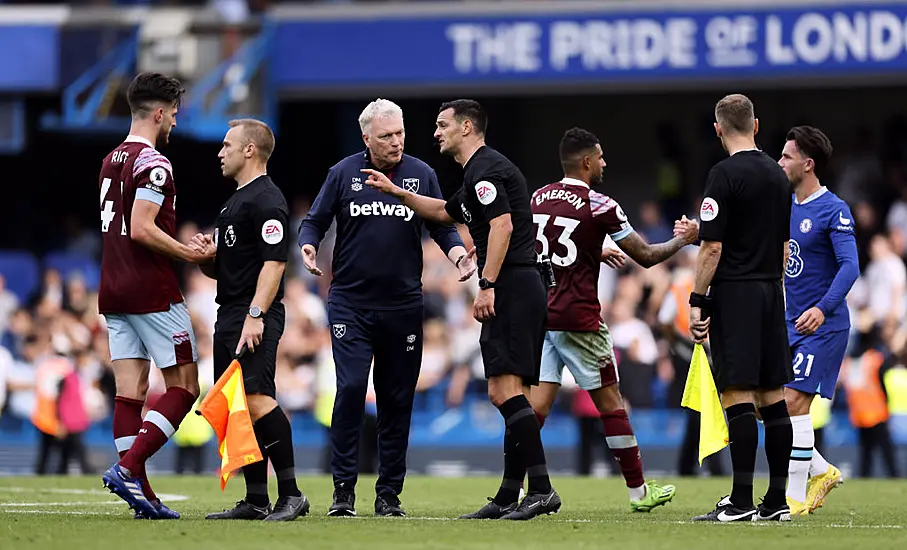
[(572, 222), (821, 269), (738, 297), (511, 303), (139, 293)]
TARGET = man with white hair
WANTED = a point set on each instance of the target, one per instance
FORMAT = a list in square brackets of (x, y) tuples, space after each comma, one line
[(375, 303)]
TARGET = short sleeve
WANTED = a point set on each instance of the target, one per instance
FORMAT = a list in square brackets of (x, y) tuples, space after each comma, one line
[(492, 195), (271, 218), (455, 207), (713, 213), (609, 216), (153, 177)]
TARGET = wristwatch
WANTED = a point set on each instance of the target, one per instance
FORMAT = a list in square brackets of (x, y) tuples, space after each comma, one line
[(485, 284), (255, 312)]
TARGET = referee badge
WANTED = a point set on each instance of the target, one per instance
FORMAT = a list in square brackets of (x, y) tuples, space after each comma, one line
[(806, 225), (486, 192), (709, 209), (272, 231)]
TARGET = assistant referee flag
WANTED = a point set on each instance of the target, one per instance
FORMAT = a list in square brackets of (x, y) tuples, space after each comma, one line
[(700, 395), (226, 410)]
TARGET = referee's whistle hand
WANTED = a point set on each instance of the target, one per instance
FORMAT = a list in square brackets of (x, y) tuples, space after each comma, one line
[(308, 259), (252, 330), (483, 307)]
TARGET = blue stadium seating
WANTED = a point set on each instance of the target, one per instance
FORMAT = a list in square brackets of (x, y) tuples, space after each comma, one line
[(21, 271), (68, 264)]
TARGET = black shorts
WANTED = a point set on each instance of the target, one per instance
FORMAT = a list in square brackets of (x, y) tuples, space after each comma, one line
[(511, 341), (748, 335), (258, 368)]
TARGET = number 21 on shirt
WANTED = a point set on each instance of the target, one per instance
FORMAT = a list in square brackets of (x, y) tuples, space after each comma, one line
[(107, 213), (798, 360), (568, 226)]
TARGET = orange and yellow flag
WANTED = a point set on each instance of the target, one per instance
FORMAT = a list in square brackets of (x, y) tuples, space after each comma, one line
[(226, 410)]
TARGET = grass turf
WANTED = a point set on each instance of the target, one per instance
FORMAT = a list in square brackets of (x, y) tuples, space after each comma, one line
[(64, 513)]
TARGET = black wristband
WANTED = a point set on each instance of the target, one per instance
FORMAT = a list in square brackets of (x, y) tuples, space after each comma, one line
[(699, 300)]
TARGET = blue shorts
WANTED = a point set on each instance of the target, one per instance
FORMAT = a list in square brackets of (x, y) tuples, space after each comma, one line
[(817, 361)]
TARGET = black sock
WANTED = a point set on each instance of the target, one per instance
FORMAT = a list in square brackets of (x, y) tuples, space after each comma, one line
[(779, 439), (277, 437), (256, 476), (520, 419), (514, 470), (743, 433)]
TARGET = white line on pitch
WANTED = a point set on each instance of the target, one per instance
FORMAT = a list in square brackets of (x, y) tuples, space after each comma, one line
[(62, 512)]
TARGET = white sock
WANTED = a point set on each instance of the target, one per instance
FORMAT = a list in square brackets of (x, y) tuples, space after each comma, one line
[(818, 465), (638, 493), (800, 457)]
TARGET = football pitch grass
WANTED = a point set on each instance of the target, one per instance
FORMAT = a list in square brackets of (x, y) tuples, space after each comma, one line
[(69, 513)]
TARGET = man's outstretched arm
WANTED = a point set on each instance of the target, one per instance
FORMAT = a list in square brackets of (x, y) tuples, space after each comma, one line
[(428, 208)]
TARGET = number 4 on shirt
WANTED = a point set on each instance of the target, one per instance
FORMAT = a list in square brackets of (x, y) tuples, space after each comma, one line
[(107, 213)]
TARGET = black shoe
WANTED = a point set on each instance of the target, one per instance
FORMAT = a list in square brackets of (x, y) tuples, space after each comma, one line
[(492, 510), (764, 513), (243, 510), (289, 508), (388, 505), (344, 503), (536, 504), (725, 511)]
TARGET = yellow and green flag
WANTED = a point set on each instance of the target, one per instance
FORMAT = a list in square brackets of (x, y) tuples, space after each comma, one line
[(701, 395)]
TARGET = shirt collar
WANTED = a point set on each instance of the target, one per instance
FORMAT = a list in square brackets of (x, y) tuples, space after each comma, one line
[(822, 190), (137, 139), (253, 180), (574, 181), (474, 153)]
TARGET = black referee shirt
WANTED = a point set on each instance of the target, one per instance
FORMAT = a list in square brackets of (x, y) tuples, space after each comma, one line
[(493, 186), (250, 230), (747, 208)]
